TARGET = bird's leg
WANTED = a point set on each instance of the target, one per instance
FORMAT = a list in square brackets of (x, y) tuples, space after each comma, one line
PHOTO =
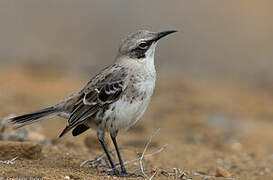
[(113, 137), (123, 169), (101, 139)]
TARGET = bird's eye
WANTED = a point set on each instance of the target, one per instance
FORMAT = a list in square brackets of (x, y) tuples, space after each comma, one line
[(143, 45)]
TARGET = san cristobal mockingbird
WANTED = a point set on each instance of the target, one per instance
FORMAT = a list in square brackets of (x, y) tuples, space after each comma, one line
[(115, 99)]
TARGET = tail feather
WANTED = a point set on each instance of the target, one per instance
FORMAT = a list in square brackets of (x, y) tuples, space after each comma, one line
[(30, 118)]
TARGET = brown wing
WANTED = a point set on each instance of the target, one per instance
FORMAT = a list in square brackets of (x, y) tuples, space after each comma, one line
[(103, 89)]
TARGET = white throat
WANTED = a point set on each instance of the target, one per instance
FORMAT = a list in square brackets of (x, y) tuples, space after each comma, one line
[(148, 61)]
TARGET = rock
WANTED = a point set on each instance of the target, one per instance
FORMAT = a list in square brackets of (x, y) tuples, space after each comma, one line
[(11, 135), (11, 149), (16, 135), (221, 172)]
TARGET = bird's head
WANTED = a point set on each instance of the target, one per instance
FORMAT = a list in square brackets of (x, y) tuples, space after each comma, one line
[(141, 45)]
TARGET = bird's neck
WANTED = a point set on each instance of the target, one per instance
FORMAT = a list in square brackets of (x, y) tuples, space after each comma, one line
[(145, 65), (148, 64)]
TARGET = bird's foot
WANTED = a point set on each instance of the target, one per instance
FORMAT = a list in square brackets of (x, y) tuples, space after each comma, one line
[(115, 172), (125, 174)]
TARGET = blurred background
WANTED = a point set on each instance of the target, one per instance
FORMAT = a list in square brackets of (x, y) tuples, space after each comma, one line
[(213, 99), (227, 38)]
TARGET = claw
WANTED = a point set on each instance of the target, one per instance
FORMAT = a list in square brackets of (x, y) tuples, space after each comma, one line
[(115, 172), (131, 175)]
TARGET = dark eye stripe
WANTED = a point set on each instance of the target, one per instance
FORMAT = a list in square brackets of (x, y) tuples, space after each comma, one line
[(139, 52)]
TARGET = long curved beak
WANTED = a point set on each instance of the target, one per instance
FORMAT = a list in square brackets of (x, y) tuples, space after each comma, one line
[(163, 34)]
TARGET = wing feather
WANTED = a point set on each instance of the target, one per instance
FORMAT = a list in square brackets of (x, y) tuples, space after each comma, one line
[(105, 88)]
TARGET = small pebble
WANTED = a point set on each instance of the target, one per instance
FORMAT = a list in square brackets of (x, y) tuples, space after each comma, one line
[(221, 172), (196, 174)]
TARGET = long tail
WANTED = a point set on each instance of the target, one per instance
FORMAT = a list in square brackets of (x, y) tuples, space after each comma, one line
[(27, 119)]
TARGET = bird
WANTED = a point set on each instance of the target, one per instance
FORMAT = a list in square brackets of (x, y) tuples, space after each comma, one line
[(114, 99)]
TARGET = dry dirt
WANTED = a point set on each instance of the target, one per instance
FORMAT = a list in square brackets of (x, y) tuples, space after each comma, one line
[(213, 130)]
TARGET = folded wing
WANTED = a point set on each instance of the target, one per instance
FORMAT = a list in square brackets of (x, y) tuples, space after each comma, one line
[(102, 90)]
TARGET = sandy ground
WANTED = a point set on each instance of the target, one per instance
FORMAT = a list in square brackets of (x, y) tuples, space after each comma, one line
[(208, 130)]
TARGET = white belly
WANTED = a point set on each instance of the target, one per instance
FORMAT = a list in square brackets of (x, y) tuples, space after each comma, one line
[(128, 113)]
